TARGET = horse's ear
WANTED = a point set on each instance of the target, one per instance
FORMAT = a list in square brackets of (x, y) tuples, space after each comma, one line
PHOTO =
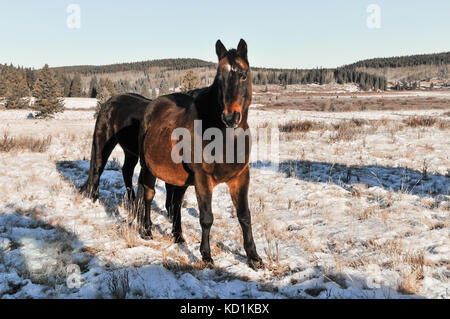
[(220, 50), (242, 49)]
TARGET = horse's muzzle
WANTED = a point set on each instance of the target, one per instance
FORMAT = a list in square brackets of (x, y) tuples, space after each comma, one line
[(231, 120)]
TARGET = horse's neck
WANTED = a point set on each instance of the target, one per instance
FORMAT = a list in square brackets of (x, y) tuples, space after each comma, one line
[(207, 106)]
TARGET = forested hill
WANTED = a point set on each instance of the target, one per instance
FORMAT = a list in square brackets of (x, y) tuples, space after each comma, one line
[(168, 64), (404, 61)]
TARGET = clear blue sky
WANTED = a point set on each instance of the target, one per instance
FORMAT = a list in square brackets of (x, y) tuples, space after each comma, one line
[(279, 33)]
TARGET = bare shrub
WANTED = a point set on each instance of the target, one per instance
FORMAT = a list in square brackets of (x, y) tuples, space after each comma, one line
[(297, 126), (345, 131), (427, 121), (443, 124), (118, 284), (24, 143), (301, 126), (420, 121)]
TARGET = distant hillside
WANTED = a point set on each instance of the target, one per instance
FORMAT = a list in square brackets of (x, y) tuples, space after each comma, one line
[(407, 72), (168, 64), (404, 61)]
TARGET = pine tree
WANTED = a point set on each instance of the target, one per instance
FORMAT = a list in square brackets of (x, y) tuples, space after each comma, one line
[(164, 87), (47, 93), (30, 76), (154, 94), (64, 83), (93, 87), (109, 85), (190, 81), (3, 86), (145, 91), (75, 86), (18, 91)]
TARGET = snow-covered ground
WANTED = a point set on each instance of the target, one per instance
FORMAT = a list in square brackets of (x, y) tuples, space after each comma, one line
[(361, 217), (79, 103)]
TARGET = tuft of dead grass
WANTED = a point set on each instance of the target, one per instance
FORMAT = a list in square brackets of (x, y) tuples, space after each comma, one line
[(427, 121), (24, 143), (297, 126)]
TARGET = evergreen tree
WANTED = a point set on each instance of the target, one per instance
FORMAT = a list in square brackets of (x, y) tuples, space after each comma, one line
[(93, 87), (109, 85), (3, 86), (30, 76), (65, 83), (75, 86), (154, 94), (145, 91), (18, 92), (47, 93), (164, 87), (190, 81)]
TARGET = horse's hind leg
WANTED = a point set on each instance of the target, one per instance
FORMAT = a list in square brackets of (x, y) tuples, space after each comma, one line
[(177, 199), (127, 171), (101, 150), (146, 192)]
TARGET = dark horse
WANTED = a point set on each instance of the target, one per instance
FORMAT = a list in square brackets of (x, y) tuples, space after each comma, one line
[(118, 122), (222, 105)]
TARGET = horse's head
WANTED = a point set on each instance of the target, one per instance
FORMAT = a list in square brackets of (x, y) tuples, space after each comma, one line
[(234, 82)]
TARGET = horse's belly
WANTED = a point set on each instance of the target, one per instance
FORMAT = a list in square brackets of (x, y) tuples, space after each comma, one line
[(223, 173), (158, 149)]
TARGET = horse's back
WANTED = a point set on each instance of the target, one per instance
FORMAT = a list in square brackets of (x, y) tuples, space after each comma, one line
[(162, 117), (121, 111), (172, 110)]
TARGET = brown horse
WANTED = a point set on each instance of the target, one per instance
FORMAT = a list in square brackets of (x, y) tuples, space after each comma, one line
[(221, 106)]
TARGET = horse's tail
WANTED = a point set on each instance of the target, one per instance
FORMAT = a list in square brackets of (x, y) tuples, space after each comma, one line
[(90, 187)]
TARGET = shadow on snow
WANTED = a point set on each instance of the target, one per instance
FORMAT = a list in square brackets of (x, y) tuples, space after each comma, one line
[(397, 179)]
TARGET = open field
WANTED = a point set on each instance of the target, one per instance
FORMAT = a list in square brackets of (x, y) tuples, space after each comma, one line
[(358, 207)]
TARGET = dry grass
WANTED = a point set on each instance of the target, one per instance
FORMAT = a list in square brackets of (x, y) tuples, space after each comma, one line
[(420, 121), (346, 131), (412, 280), (24, 143), (427, 121), (298, 126)]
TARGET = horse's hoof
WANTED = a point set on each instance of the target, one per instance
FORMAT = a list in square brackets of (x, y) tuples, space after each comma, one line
[(86, 192), (208, 262), (146, 234), (179, 239), (256, 263)]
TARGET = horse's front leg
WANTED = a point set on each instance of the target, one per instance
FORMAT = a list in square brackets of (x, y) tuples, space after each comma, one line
[(203, 190), (239, 194)]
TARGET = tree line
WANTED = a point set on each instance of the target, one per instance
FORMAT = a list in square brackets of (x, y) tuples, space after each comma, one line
[(365, 80), (405, 61), (18, 84)]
